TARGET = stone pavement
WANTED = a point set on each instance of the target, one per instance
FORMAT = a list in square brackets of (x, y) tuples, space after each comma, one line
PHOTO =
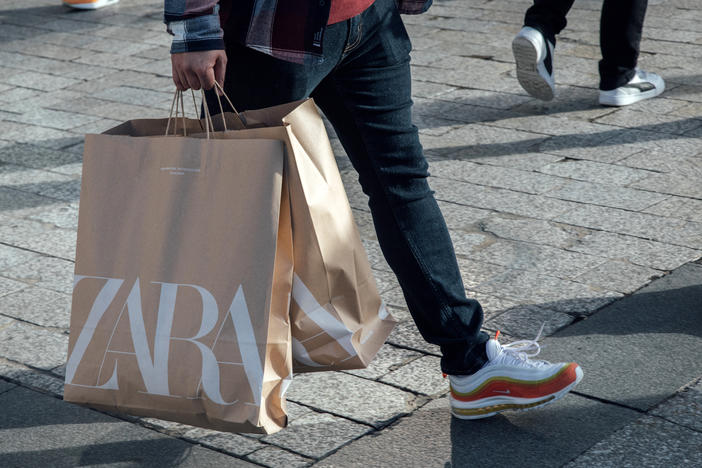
[(583, 217)]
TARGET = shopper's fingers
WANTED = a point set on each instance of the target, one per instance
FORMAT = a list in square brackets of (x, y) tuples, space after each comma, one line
[(177, 81), (220, 69), (193, 79), (207, 77)]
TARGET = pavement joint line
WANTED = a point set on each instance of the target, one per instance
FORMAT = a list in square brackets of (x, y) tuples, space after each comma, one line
[(63, 331), (43, 254)]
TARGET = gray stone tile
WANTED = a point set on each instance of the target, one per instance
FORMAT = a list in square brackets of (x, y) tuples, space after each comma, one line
[(352, 397), (33, 346), (685, 185), (620, 276), (27, 179), (492, 176), (466, 243), (598, 194), (647, 442), (650, 121), (422, 375), (394, 297), (664, 161), (38, 306), (462, 217), (406, 335), (110, 60), (630, 338), (37, 156), (539, 258), (31, 378), (501, 200), (274, 457), (137, 96), (525, 321), (667, 230), (10, 256), (233, 444), (61, 216), (41, 430), (315, 435), (525, 161), (53, 118), (45, 272), (532, 230), (430, 437), (39, 81), (591, 171), (683, 408), (529, 287), (34, 236), (388, 358), (657, 255), (8, 286), (6, 386), (678, 207)]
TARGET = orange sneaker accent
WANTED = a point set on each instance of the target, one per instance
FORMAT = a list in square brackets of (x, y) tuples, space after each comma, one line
[(521, 389), (497, 334)]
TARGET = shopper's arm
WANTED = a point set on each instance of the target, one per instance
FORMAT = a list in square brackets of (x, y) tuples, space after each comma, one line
[(197, 50)]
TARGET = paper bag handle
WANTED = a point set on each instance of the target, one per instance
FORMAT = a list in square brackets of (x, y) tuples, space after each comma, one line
[(177, 103)]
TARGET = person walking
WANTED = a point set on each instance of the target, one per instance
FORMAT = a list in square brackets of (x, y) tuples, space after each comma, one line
[(621, 23), (352, 57)]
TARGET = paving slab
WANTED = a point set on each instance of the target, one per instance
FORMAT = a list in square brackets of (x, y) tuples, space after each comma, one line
[(684, 408), (39, 430), (647, 442), (641, 349), (346, 395), (430, 437), (6, 386)]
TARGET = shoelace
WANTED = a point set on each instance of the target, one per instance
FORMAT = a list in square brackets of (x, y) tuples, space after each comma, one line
[(524, 350)]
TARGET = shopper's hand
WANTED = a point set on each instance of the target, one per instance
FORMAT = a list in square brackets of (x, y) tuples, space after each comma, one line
[(199, 70)]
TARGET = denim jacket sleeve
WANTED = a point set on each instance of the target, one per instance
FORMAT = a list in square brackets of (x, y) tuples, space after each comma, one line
[(194, 24)]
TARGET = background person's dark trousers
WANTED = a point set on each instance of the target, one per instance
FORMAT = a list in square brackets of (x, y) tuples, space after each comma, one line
[(621, 23)]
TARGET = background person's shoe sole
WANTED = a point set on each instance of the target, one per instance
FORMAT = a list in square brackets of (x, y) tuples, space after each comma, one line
[(526, 55), (89, 4)]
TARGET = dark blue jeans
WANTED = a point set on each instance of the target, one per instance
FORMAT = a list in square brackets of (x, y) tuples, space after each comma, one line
[(363, 87), (621, 23)]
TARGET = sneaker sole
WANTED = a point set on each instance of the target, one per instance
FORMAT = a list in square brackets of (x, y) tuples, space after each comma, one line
[(618, 101), (526, 56), (492, 410), (90, 5)]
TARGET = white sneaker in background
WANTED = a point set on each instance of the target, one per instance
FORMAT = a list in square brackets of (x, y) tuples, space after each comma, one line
[(534, 57), (88, 4), (644, 85)]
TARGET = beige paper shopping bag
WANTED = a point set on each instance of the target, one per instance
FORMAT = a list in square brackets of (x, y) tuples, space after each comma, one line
[(338, 318), (183, 273)]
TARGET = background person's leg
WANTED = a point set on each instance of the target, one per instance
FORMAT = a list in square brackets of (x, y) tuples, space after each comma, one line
[(548, 16), (621, 24), (367, 100)]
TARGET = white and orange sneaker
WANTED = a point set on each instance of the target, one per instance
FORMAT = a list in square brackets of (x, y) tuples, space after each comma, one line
[(88, 4), (510, 380)]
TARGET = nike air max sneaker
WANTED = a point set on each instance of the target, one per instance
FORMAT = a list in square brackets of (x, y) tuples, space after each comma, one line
[(511, 380), (88, 4), (533, 54), (643, 85)]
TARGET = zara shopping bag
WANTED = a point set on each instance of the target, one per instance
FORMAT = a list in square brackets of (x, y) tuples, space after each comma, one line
[(183, 273), (338, 318)]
